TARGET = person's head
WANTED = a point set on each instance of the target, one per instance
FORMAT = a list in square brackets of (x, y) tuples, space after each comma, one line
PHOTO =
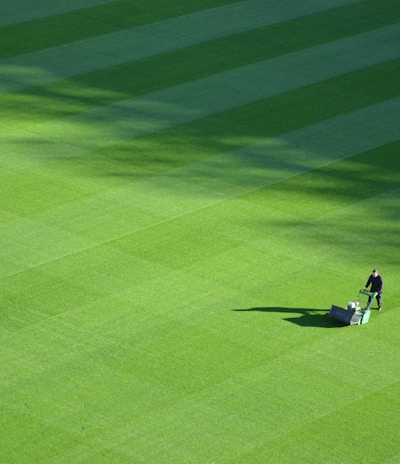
[(375, 272)]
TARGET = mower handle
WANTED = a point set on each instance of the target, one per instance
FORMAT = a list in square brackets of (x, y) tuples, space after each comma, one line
[(364, 291)]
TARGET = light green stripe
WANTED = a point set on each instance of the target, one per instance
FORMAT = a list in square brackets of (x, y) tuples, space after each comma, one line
[(87, 223), (177, 105), (13, 12), (45, 66)]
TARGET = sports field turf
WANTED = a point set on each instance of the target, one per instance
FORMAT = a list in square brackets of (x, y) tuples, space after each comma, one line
[(186, 188)]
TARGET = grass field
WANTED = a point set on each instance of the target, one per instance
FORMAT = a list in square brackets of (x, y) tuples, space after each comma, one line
[(186, 188)]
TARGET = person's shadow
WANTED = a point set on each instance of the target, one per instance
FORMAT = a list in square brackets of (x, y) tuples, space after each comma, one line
[(306, 317)]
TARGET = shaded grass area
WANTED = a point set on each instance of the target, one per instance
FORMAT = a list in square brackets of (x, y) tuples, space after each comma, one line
[(225, 131), (106, 86), (341, 184), (90, 22)]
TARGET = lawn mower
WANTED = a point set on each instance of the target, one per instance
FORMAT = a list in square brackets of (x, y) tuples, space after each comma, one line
[(356, 313)]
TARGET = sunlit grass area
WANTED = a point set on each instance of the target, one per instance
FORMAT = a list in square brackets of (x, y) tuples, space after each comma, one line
[(186, 189)]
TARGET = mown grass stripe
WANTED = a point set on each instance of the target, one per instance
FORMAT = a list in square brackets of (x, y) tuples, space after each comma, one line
[(162, 198), (109, 50), (17, 11), (84, 22), (154, 112)]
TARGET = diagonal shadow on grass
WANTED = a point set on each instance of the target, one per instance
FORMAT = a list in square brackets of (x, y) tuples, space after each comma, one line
[(308, 317)]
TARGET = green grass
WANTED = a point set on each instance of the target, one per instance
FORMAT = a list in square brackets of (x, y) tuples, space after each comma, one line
[(176, 220)]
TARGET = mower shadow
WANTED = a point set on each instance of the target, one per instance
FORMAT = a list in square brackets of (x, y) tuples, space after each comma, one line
[(308, 317)]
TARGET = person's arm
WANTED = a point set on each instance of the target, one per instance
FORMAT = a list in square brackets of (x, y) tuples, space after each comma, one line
[(369, 281)]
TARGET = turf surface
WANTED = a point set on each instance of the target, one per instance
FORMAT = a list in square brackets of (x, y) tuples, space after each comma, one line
[(186, 188)]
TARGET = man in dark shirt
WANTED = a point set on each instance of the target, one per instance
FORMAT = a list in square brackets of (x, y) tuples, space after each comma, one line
[(376, 282)]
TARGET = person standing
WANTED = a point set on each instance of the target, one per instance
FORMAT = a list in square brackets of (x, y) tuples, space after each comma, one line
[(376, 282)]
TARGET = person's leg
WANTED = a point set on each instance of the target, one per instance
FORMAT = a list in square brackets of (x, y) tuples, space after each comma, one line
[(379, 300)]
